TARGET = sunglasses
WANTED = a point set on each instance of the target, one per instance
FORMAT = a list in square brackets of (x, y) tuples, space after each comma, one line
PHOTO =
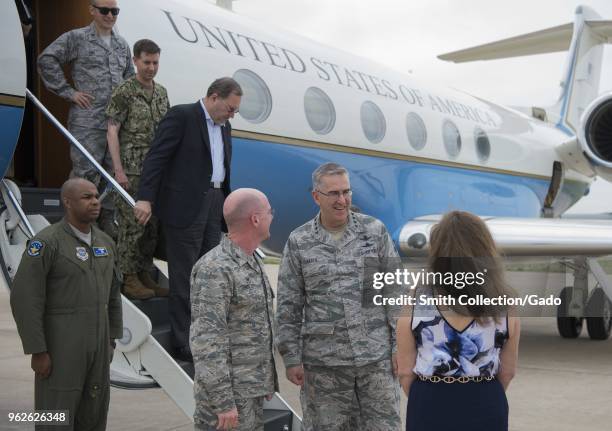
[(105, 10)]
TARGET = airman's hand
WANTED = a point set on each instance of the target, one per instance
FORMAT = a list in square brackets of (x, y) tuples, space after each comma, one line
[(83, 100), (295, 374), (228, 420), (41, 364)]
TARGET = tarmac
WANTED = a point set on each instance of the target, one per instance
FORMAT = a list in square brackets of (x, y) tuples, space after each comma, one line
[(561, 385)]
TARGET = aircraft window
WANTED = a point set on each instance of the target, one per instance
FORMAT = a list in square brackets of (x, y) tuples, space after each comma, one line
[(417, 133), (373, 122), (483, 146), (319, 111), (452, 138), (256, 103)]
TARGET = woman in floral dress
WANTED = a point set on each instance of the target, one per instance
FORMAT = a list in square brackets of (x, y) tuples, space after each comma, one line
[(456, 353)]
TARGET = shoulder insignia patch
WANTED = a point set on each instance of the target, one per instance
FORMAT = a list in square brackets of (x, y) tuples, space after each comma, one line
[(35, 247)]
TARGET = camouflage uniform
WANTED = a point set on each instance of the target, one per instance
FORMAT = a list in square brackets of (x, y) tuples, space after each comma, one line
[(66, 301), (139, 113), (96, 69), (345, 346), (231, 337)]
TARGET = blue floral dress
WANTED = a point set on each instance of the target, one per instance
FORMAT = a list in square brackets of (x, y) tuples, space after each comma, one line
[(445, 351)]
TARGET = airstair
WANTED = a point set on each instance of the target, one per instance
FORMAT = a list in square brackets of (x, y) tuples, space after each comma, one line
[(142, 357)]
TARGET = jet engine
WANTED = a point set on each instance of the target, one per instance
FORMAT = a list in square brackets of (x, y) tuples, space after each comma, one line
[(595, 135)]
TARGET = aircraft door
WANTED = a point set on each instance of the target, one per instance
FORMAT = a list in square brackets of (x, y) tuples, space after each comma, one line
[(550, 208)]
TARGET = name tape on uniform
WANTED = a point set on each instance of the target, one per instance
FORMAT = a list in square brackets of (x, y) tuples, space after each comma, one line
[(100, 251)]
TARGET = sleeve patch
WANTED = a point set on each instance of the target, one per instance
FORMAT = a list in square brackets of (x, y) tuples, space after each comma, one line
[(34, 248)]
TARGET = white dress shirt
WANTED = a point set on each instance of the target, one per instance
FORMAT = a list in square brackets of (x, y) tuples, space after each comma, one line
[(216, 147)]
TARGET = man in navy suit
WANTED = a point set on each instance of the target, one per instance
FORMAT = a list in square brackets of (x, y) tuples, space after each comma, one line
[(185, 179)]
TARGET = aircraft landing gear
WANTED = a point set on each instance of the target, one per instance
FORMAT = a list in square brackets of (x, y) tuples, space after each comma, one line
[(573, 300), (599, 310), (575, 306), (568, 326)]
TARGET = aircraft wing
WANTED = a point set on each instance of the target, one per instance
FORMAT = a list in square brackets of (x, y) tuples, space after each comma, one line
[(524, 236), (589, 217)]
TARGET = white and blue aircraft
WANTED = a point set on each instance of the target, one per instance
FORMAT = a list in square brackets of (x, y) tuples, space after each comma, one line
[(413, 151)]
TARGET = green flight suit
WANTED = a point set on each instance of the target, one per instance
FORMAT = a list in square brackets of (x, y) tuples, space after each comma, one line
[(66, 301)]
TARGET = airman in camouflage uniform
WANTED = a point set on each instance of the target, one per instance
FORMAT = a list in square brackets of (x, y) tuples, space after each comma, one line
[(135, 109), (97, 68), (231, 321), (339, 349)]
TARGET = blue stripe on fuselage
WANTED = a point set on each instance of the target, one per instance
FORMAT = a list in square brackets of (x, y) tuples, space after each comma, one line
[(10, 124), (394, 191)]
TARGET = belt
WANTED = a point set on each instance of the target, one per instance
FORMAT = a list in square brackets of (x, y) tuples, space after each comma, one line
[(450, 379), (216, 184)]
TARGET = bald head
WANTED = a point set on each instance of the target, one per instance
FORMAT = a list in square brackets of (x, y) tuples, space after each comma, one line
[(241, 204), (74, 186), (80, 199)]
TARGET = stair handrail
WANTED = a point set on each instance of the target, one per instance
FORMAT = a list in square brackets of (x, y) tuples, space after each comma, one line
[(108, 177), (13, 200)]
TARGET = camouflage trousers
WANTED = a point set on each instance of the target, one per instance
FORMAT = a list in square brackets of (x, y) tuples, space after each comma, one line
[(94, 141), (331, 397), (135, 243), (250, 415)]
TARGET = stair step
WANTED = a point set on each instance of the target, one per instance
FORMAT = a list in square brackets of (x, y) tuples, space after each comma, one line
[(163, 336), (46, 202), (187, 367), (277, 420), (155, 308)]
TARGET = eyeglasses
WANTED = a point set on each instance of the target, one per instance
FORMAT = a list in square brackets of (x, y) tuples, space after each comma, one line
[(105, 10), (335, 194), (230, 109)]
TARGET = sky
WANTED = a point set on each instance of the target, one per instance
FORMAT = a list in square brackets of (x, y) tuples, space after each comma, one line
[(408, 35)]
